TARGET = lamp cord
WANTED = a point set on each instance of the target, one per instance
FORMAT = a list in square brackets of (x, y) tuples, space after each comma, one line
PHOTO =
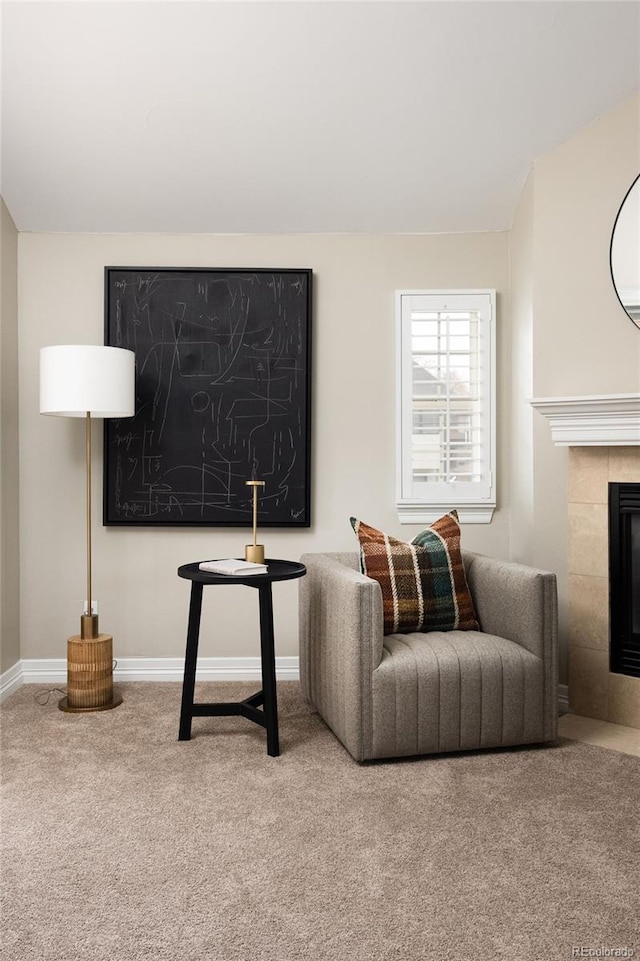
[(43, 697)]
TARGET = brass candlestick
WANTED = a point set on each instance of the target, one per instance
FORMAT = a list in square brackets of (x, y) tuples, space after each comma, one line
[(254, 552)]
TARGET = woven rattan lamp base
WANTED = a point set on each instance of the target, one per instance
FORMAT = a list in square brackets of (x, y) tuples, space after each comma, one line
[(89, 675)]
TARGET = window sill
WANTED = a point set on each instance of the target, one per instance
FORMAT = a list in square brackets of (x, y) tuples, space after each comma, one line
[(427, 513)]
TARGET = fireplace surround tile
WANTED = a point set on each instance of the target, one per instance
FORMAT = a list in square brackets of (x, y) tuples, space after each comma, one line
[(589, 682), (624, 700), (624, 465), (589, 475), (588, 603), (588, 540)]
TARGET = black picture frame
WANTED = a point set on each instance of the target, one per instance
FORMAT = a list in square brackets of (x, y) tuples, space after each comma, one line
[(223, 395)]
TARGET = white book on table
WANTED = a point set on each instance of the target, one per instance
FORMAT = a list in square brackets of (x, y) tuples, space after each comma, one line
[(232, 567)]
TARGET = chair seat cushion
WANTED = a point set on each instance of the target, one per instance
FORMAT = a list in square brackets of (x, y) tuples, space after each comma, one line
[(454, 690)]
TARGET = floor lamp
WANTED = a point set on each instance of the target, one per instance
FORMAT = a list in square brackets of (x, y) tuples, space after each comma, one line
[(85, 381)]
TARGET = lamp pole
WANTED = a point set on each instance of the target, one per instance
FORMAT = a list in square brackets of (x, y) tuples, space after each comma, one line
[(88, 620)]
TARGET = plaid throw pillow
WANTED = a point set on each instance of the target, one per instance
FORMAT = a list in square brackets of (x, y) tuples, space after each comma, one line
[(423, 583)]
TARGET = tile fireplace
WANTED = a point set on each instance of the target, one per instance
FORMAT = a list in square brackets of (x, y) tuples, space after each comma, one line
[(596, 687), (603, 437)]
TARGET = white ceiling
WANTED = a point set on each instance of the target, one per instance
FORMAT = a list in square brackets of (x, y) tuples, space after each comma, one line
[(273, 117)]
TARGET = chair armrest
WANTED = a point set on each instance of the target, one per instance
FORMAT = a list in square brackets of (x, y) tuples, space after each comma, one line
[(515, 602), (341, 635), (520, 604)]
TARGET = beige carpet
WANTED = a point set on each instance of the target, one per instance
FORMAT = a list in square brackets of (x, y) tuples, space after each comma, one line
[(119, 842)]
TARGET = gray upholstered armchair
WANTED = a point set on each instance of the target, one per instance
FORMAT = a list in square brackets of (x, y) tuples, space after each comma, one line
[(407, 694)]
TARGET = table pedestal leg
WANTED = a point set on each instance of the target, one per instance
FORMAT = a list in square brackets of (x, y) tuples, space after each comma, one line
[(267, 649), (191, 656)]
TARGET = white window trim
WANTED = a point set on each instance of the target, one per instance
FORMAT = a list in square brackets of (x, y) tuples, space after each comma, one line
[(420, 510)]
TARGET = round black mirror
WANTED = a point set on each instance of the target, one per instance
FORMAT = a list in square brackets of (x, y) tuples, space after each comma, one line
[(625, 252)]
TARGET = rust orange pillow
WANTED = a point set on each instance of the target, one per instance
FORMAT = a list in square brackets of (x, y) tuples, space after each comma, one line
[(424, 587)]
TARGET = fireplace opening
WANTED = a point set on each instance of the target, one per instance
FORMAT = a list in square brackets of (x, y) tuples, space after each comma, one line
[(624, 578)]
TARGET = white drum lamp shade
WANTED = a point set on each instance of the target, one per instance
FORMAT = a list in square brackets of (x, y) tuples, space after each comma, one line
[(76, 380)]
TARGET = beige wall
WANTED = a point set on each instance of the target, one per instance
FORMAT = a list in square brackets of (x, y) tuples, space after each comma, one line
[(142, 602), (567, 313), (9, 493), (521, 422), (578, 190)]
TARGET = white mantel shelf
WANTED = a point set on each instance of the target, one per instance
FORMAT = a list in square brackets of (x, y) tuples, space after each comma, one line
[(605, 420)]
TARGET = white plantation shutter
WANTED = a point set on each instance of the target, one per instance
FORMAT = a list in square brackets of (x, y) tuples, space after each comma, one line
[(446, 403)]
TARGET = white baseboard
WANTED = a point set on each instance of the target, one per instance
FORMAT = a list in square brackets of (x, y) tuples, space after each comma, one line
[(11, 680), (54, 670), (209, 669)]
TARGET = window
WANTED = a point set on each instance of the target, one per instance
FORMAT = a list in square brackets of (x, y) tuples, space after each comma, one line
[(446, 404)]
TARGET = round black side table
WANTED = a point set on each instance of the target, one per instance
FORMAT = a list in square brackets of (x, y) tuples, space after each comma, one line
[(268, 717)]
